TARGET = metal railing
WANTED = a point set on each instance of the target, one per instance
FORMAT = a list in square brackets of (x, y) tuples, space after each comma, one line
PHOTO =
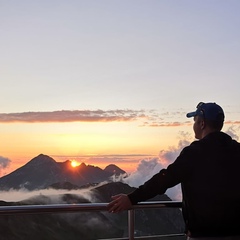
[(91, 207)]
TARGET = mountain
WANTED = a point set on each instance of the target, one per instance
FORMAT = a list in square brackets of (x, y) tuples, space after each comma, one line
[(85, 225), (112, 168), (64, 185), (43, 171)]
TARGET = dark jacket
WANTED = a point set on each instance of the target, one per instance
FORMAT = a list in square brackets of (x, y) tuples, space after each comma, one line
[(209, 173)]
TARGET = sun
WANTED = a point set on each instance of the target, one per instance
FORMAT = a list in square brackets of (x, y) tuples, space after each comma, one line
[(74, 163)]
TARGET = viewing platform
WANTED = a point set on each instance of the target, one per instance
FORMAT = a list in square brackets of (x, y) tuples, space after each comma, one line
[(93, 207)]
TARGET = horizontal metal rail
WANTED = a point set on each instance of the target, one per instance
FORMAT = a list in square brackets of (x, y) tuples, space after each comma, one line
[(90, 207), (149, 237), (81, 207), (52, 208)]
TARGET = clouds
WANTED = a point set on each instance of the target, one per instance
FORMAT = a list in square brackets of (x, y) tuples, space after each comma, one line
[(233, 132), (73, 116), (172, 152), (54, 196), (145, 170), (166, 124), (4, 162), (149, 118)]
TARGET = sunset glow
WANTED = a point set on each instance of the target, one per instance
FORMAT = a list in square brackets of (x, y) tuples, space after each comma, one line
[(111, 81), (74, 163)]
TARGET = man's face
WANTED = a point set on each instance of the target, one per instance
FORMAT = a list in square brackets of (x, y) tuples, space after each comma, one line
[(197, 127)]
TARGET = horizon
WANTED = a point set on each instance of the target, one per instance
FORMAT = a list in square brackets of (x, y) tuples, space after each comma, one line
[(127, 162), (111, 81), (145, 170)]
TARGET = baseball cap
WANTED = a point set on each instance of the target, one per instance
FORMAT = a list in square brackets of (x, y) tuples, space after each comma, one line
[(211, 111)]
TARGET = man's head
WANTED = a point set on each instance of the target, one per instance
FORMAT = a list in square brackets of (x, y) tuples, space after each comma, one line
[(208, 117)]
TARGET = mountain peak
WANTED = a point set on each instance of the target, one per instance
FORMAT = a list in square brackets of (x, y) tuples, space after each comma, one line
[(41, 159), (112, 168), (83, 165), (43, 171)]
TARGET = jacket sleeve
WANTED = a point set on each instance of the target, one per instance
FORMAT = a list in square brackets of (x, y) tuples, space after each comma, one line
[(174, 174)]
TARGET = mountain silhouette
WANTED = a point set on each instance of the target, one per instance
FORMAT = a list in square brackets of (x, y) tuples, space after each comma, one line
[(112, 168), (43, 171)]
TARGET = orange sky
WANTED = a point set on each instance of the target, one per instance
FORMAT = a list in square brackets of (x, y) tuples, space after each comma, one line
[(124, 143)]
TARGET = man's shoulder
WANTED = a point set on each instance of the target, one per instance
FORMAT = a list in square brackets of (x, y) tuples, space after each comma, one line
[(194, 145), (193, 148)]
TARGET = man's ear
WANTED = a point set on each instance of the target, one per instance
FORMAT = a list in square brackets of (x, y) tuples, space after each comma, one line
[(203, 124)]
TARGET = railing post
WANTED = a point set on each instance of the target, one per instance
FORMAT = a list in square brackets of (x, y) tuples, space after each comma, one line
[(131, 224)]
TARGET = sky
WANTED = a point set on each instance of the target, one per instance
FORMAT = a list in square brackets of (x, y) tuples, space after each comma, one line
[(111, 81)]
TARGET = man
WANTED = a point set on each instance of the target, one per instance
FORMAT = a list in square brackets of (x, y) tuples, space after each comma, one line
[(209, 173)]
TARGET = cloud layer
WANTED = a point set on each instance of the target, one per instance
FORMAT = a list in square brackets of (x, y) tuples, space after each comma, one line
[(73, 116), (149, 118), (4, 162)]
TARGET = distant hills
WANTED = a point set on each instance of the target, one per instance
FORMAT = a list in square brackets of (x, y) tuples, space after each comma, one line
[(43, 171)]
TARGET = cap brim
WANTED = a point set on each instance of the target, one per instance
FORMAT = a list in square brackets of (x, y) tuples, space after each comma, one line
[(191, 114)]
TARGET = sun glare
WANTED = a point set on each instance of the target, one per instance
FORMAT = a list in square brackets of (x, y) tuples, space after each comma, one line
[(74, 163)]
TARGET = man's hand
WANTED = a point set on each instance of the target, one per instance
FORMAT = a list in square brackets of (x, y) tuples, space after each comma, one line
[(119, 203)]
